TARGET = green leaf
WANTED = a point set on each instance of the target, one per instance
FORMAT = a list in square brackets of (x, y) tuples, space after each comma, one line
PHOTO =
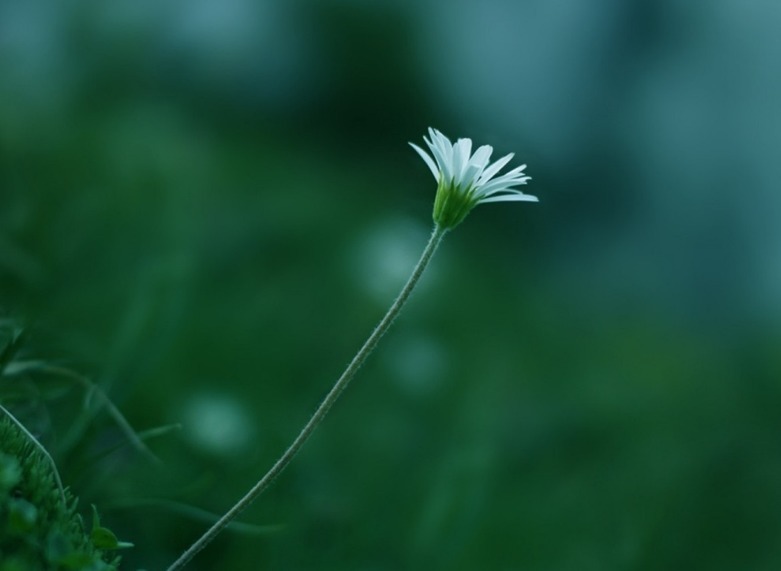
[(57, 547), (104, 538), (76, 560), (21, 516), (10, 472)]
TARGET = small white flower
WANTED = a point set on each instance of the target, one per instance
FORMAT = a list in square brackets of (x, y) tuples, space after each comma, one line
[(466, 180)]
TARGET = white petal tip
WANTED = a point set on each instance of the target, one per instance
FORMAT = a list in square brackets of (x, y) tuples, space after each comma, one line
[(510, 198)]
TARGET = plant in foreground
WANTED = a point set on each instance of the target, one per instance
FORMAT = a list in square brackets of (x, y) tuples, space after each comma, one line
[(464, 180), (40, 529)]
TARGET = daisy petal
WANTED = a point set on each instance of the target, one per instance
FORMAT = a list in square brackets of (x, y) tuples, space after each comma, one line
[(461, 151), (428, 160), (510, 198), (507, 180), (489, 173), (476, 165), (443, 156)]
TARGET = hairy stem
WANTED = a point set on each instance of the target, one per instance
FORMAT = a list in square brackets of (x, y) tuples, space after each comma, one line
[(325, 406)]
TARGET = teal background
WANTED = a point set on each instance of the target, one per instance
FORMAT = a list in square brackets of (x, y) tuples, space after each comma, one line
[(206, 206)]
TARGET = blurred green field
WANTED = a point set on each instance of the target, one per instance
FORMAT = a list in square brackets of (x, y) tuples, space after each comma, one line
[(206, 207)]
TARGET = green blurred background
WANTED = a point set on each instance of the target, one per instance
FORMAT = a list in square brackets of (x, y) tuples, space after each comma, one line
[(207, 205)]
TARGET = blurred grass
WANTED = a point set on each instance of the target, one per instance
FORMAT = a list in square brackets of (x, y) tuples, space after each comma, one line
[(562, 393)]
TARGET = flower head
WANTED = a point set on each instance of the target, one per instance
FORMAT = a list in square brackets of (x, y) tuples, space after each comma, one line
[(466, 180)]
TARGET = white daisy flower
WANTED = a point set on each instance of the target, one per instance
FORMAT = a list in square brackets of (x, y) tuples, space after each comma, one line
[(466, 180)]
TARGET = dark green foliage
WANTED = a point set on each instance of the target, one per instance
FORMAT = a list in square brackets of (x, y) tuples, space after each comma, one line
[(206, 207), (40, 529)]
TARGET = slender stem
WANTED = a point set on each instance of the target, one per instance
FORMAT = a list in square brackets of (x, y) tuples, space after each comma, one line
[(325, 406)]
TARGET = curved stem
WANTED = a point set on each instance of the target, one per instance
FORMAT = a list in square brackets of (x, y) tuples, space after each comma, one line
[(325, 406)]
